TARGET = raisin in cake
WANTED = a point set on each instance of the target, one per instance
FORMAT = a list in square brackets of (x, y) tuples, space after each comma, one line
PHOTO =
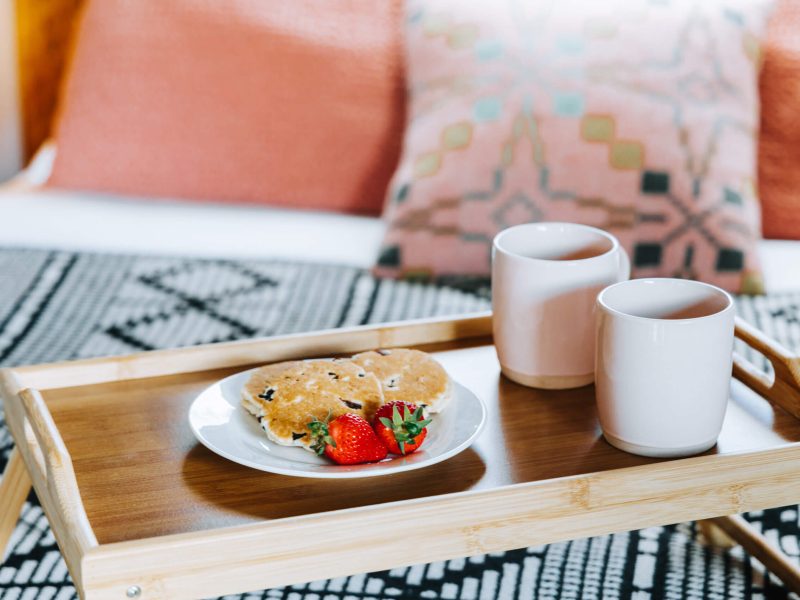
[(409, 375)]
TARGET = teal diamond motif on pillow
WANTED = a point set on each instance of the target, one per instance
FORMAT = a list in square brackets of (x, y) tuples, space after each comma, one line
[(488, 109), (570, 44), (568, 104), (647, 255), (655, 182), (730, 259), (402, 193), (489, 50), (733, 197), (389, 257)]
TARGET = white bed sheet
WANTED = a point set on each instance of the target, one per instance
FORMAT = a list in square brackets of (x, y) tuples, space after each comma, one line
[(103, 223)]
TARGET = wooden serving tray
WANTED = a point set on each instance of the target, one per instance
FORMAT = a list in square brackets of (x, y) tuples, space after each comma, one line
[(140, 509)]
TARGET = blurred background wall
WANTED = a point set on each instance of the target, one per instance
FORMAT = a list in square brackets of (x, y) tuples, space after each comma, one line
[(10, 121)]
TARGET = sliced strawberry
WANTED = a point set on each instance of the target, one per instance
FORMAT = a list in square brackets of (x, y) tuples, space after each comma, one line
[(347, 440), (401, 426)]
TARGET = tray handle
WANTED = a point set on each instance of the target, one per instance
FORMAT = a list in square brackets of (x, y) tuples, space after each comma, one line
[(49, 450), (55, 464), (784, 388)]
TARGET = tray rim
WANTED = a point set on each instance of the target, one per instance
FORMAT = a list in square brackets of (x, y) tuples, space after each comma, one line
[(167, 565)]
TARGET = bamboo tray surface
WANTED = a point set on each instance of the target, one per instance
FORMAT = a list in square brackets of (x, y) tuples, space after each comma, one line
[(139, 508), (141, 472)]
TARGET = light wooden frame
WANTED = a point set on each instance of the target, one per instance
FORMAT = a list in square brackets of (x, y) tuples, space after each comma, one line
[(238, 559)]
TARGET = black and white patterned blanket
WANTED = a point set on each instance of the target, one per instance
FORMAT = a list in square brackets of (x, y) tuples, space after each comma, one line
[(63, 305)]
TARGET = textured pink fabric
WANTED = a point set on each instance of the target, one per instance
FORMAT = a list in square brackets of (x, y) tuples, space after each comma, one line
[(636, 117), (291, 103), (779, 142)]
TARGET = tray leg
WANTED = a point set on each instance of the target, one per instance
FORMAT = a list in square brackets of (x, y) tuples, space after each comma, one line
[(758, 546), (715, 536), (14, 488)]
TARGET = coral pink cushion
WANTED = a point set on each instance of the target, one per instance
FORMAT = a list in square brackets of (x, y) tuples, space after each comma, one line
[(779, 142), (637, 117), (291, 103)]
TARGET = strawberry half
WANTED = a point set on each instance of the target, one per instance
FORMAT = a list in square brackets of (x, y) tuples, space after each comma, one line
[(401, 426), (347, 440)]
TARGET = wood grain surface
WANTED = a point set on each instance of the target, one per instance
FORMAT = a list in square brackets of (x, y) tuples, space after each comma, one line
[(142, 474)]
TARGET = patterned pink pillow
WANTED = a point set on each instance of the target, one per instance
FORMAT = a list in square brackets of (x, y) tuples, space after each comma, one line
[(636, 116)]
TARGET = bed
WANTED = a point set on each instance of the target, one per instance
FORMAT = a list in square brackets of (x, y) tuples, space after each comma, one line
[(40, 217), (288, 271)]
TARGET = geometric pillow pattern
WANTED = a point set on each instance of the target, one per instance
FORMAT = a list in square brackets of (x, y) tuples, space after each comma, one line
[(639, 117)]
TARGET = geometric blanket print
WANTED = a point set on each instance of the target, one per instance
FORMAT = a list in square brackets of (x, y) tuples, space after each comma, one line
[(639, 117), (58, 305)]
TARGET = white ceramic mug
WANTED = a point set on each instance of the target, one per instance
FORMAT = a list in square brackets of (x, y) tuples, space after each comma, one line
[(663, 365), (545, 280)]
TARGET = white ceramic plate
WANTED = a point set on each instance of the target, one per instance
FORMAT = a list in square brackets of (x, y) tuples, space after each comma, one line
[(222, 425)]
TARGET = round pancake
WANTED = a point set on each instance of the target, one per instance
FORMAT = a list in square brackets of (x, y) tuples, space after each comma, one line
[(286, 396), (409, 375)]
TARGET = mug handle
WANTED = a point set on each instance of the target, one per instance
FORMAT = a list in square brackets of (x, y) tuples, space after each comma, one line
[(624, 265)]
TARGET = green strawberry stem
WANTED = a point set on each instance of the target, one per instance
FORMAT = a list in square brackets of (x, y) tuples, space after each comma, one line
[(321, 434), (407, 427)]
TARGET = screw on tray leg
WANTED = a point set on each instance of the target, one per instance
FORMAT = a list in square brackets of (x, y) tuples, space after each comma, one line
[(133, 592)]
